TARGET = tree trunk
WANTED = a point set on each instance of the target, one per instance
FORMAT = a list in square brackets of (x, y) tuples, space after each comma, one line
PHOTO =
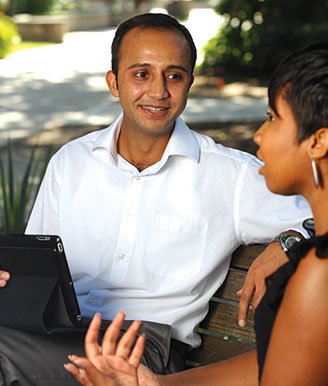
[(11, 7)]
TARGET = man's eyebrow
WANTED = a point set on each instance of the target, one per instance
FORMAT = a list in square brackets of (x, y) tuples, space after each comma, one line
[(178, 67), (137, 65), (171, 67)]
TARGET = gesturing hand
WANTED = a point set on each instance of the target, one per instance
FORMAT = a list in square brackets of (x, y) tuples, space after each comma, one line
[(110, 364)]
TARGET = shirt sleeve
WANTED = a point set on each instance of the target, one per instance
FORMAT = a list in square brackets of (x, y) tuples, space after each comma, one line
[(259, 214), (44, 216)]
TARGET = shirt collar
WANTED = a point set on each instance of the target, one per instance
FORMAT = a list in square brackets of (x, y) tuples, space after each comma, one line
[(183, 141), (108, 137)]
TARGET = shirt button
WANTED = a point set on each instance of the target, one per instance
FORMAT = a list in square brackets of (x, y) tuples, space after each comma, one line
[(122, 256), (91, 301), (137, 178)]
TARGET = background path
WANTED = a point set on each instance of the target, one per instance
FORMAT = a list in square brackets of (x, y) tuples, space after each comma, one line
[(64, 84)]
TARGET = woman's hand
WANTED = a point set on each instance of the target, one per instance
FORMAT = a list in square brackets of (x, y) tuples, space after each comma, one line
[(4, 277), (112, 363)]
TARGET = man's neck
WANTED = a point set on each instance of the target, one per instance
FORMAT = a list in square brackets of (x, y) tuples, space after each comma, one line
[(141, 151)]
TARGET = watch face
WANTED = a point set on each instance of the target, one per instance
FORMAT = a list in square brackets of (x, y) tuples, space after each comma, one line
[(291, 240)]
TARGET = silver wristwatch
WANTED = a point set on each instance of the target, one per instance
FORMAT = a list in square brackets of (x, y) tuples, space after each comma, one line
[(287, 240)]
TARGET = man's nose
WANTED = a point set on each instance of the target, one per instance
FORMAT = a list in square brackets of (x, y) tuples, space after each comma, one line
[(158, 88)]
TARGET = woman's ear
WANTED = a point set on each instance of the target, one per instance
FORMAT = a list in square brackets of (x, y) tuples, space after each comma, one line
[(112, 83), (318, 143)]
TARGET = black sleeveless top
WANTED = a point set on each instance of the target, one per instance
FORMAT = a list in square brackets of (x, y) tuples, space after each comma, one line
[(276, 283)]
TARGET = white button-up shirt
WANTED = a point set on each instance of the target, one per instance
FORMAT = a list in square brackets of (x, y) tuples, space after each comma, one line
[(156, 243)]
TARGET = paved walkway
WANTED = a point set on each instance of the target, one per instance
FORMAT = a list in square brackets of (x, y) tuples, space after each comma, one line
[(63, 84)]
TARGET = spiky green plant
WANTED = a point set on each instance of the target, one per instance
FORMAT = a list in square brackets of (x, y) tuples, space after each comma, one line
[(17, 196)]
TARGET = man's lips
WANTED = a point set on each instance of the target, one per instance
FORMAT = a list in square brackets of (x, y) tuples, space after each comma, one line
[(154, 110)]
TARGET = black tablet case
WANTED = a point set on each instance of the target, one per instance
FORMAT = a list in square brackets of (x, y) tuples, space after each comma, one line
[(39, 296)]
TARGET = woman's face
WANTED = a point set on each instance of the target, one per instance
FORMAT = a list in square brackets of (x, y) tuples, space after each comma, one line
[(286, 161)]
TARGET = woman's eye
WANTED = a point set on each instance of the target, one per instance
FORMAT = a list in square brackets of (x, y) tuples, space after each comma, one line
[(270, 116)]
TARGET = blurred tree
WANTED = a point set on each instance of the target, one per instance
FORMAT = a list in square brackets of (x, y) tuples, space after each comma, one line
[(8, 34), (34, 6), (257, 34), (139, 3), (11, 7)]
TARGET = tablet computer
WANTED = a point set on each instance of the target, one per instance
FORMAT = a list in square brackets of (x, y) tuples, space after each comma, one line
[(40, 295)]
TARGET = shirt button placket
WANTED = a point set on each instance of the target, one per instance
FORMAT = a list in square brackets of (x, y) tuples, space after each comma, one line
[(127, 234)]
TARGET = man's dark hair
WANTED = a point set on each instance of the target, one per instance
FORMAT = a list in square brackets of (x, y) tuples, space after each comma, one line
[(302, 78), (150, 20)]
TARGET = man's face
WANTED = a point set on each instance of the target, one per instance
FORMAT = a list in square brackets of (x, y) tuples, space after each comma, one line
[(154, 77)]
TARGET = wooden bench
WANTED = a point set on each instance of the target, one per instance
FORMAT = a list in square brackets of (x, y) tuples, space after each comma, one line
[(221, 335)]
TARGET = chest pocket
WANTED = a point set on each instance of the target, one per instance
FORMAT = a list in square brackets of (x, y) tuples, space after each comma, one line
[(176, 247)]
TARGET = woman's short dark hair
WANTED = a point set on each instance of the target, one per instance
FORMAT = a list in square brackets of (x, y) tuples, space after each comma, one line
[(302, 78), (150, 20)]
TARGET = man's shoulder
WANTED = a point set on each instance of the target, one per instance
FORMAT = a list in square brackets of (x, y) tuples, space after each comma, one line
[(209, 148), (84, 143)]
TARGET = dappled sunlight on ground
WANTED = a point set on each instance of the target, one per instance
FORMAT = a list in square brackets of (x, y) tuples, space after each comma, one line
[(64, 84)]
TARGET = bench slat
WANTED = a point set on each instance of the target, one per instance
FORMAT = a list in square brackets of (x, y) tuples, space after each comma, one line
[(244, 255), (223, 318), (214, 350), (232, 284), (221, 335)]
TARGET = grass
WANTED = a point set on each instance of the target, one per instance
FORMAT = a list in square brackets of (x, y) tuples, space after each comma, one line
[(27, 44)]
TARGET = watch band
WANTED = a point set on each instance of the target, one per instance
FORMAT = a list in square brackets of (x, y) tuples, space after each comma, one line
[(287, 240)]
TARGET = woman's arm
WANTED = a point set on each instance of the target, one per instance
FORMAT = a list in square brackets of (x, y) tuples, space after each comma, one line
[(112, 363), (298, 348), (241, 370)]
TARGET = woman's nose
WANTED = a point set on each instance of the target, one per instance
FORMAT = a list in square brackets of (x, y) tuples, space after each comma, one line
[(258, 135)]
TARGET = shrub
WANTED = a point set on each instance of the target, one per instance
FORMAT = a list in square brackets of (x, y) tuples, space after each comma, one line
[(34, 7), (257, 34), (18, 196), (8, 34)]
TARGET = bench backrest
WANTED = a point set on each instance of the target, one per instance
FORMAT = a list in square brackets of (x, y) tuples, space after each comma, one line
[(221, 335)]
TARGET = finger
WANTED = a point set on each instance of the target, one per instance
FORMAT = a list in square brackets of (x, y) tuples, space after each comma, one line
[(259, 293), (4, 277), (93, 376), (79, 374), (112, 333), (128, 339), (91, 344), (138, 351), (245, 296)]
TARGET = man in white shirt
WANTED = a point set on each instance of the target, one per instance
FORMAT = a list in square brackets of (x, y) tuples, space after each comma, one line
[(150, 211)]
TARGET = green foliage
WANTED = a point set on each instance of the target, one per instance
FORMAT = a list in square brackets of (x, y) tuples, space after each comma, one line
[(63, 5), (34, 7), (257, 34), (41, 7), (3, 6), (8, 34), (17, 197)]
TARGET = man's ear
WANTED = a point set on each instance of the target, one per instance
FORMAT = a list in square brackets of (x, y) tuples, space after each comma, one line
[(318, 143), (191, 80), (112, 83)]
